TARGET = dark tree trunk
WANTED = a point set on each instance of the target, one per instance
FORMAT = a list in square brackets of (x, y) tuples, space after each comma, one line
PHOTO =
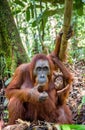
[(10, 41)]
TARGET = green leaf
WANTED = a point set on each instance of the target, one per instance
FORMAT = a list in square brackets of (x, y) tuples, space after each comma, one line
[(44, 23), (77, 127), (19, 3), (34, 23), (32, 10), (83, 100), (8, 81), (25, 1), (48, 12), (79, 7), (65, 127), (17, 11), (44, 15), (80, 11), (27, 14), (73, 127)]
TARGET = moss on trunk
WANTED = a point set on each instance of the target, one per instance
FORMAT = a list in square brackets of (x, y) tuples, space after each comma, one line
[(9, 37)]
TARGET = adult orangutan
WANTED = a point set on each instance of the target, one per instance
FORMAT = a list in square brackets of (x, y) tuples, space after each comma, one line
[(32, 93)]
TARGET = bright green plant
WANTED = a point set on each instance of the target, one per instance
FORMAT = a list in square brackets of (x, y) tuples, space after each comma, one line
[(81, 104)]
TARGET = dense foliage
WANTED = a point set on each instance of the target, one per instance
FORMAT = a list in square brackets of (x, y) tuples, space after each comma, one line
[(38, 22)]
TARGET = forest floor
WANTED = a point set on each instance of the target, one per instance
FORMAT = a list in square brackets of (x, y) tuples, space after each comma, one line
[(77, 95)]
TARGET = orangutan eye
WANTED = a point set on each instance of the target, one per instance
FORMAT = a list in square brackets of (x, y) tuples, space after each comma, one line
[(38, 68), (45, 68)]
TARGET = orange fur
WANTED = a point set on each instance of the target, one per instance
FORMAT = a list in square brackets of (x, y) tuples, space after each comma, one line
[(23, 96)]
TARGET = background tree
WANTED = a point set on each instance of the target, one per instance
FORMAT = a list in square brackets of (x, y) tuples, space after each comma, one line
[(10, 43)]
